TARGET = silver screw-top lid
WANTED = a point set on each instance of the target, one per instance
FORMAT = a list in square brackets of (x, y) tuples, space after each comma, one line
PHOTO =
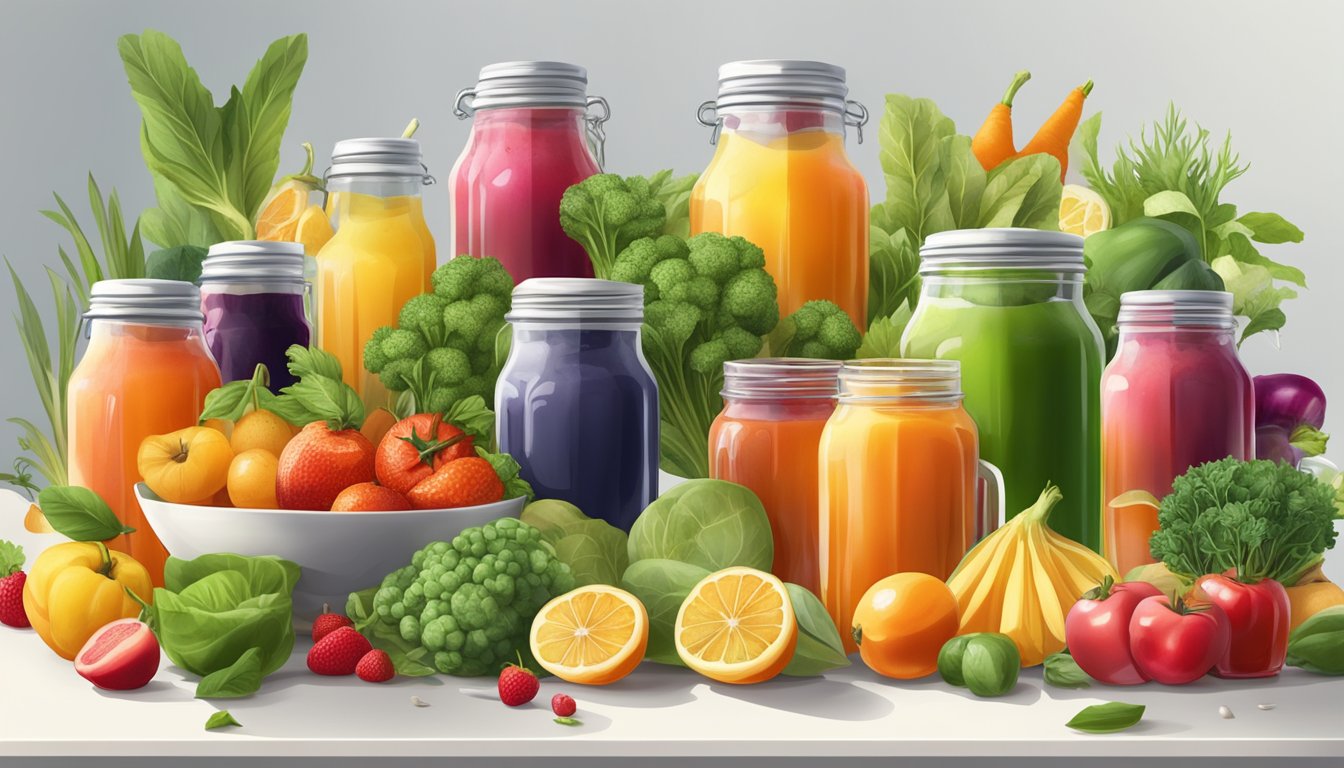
[(880, 380), (569, 299), (1008, 248), (525, 84), (783, 83), (377, 157), (780, 378), (254, 261), (171, 302), (1207, 309)]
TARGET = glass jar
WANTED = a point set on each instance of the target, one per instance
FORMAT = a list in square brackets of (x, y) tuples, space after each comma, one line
[(781, 179), (1175, 396), (1008, 304), (146, 371), (380, 256), (576, 403), (899, 479), (253, 297), (766, 438), (532, 137)]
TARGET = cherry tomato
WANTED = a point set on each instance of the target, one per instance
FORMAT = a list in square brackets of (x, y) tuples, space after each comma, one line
[(415, 447), (1097, 631), (1258, 618), (1177, 644)]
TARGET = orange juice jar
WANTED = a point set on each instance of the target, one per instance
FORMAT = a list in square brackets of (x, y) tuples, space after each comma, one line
[(899, 479), (146, 371), (766, 438), (781, 179)]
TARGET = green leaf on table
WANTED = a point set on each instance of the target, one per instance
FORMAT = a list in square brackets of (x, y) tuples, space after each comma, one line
[(1061, 671), (182, 262), (221, 719), (1270, 228), (1110, 717), (242, 678), (79, 514), (819, 647), (910, 137)]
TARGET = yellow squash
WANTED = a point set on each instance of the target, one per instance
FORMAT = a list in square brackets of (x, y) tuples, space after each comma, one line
[(79, 587)]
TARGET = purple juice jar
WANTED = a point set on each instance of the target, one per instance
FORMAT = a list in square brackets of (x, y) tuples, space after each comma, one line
[(576, 403), (252, 294)]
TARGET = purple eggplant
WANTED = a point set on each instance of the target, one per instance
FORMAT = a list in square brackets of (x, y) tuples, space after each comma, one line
[(1289, 414)]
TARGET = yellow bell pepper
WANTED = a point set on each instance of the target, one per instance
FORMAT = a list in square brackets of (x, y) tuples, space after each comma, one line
[(77, 588)]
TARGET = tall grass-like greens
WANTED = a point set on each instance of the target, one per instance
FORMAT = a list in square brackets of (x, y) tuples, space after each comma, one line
[(712, 524)]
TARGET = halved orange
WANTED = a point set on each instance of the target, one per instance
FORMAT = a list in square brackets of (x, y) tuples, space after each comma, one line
[(592, 635), (737, 626), (279, 220)]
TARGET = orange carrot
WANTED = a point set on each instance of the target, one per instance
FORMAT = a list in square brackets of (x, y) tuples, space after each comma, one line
[(1056, 132), (993, 143)]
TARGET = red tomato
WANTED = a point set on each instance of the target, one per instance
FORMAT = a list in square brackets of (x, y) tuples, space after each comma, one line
[(416, 446), (1176, 644), (1258, 617), (1097, 631)]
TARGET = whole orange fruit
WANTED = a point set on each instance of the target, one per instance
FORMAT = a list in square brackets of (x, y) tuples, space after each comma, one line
[(320, 463), (902, 622)]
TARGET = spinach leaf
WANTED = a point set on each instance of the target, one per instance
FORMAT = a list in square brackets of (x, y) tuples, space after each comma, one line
[(1061, 671), (1107, 718), (819, 648), (893, 272), (883, 338), (662, 586), (1023, 192), (181, 262), (221, 719), (910, 138), (79, 513), (242, 678)]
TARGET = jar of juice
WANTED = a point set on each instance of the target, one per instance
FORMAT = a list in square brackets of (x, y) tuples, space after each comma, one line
[(1008, 304), (781, 179), (576, 403), (1175, 396), (899, 480), (146, 371), (380, 256), (253, 296), (766, 438), (532, 136)]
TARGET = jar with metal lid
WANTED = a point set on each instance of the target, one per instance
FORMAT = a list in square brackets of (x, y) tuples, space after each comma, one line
[(145, 372), (380, 256), (1174, 396), (576, 403), (766, 439), (252, 296), (1008, 304), (535, 131), (781, 179)]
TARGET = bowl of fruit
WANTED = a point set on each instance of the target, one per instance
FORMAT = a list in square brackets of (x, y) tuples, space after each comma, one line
[(348, 506)]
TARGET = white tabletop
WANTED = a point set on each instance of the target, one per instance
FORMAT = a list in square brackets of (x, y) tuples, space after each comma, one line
[(50, 716)]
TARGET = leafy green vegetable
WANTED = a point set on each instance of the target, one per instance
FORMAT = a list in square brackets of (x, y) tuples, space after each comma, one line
[(230, 401), (606, 213), (408, 657), (215, 608), (508, 468), (1317, 645), (1061, 671), (22, 477), (595, 551), (662, 586), (1264, 519), (79, 514), (819, 648), (712, 524), (473, 416), (884, 335), (675, 195), (220, 719), (893, 272), (320, 394), (181, 262), (219, 161), (1110, 717), (241, 678)]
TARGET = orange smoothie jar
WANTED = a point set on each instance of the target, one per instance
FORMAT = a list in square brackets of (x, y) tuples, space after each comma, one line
[(766, 438), (899, 479), (781, 179), (146, 371)]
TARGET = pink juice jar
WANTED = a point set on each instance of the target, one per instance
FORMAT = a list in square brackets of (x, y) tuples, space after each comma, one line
[(1175, 396), (532, 136)]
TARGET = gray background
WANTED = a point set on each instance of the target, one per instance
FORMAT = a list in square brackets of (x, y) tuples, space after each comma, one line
[(1272, 73)]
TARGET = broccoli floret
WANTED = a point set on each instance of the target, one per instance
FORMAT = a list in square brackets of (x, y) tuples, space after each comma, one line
[(449, 365), (822, 330), (424, 315), (636, 263), (606, 213), (402, 344), (470, 602), (374, 359)]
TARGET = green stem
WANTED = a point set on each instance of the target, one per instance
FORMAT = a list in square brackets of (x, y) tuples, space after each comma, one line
[(411, 128), (1086, 88), (1019, 80)]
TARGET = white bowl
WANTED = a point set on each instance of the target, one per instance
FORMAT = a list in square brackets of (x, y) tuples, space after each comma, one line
[(339, 552)]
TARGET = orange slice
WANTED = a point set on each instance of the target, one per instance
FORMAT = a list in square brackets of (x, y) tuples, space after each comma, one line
[(36, 522), (592, 635), (313, 229), (737, 626), (279, 220)]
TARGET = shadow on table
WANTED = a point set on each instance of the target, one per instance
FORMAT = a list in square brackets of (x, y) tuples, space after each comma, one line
[(655, 685), (812, 696), (155, 692), (1025, 693)]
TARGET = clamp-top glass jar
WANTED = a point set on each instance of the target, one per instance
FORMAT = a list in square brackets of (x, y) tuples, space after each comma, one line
[(781, 179), (532, 136), (576, 403), (252, 295), (145, 372), (381, 255)]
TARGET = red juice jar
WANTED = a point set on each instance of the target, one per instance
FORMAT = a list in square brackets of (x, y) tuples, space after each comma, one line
[(1175, 396), (532, 137)]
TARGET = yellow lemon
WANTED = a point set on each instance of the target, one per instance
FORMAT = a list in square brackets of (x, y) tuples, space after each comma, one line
[(592, 635), (737, 626), (1082, 211)]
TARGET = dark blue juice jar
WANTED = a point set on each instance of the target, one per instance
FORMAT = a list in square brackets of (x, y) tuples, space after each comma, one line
[(576, 403)]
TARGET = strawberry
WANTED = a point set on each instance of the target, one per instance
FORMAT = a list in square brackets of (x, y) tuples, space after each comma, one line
[(12, 579), (375, 667), (461, 483), (415, 447), (328, 622), (339, 652), (517, 685), (562, 704), (319, 463)]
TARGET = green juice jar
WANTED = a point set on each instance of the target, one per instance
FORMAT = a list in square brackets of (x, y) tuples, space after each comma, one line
[(1008, 303)]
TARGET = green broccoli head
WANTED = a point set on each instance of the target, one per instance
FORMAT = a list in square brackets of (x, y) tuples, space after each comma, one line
[(423, 314), (823, 330), (606, 213), (374, 359), (470, 602)]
